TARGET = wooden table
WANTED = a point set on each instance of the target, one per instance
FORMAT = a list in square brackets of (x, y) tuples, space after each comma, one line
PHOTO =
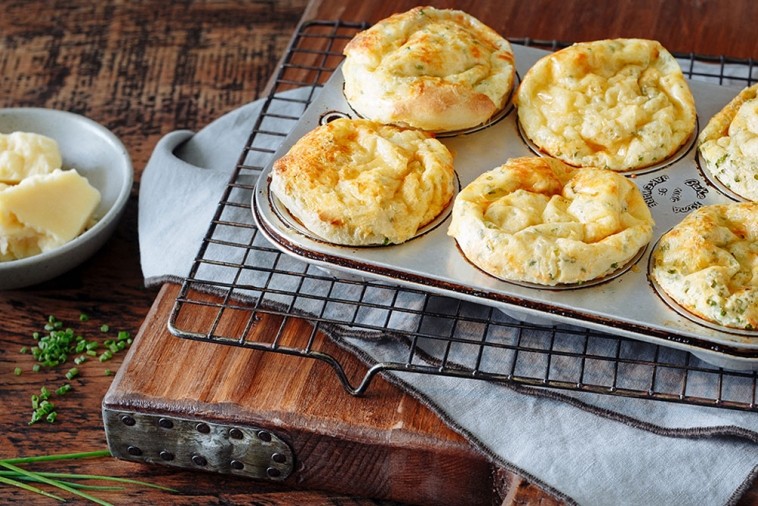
[(146, 68)]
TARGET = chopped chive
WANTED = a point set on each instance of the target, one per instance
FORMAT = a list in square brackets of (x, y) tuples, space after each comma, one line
[(72, 373), (104, 328), (17, 371), (63, 389)]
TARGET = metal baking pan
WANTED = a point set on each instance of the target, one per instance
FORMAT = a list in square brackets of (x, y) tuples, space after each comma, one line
[(626, 303)]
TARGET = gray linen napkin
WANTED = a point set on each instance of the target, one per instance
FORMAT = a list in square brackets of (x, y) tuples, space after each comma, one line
[(586, 448)]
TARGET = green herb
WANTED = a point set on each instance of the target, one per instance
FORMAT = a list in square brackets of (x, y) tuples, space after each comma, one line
[(42, 407), (63, 389), (54, 348), (16, 476), (54, 345), (17, 371), (24, 486)]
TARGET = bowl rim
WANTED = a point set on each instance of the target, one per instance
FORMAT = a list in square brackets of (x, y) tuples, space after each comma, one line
[(113, 211)]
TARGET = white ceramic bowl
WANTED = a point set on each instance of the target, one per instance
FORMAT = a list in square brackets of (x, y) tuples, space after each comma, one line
[(95, 153)]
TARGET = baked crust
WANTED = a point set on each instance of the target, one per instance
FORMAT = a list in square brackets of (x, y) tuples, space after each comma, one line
[(708, 263), (432, 69), (539, 220), (620, 104), (359, 182), (728, 145)]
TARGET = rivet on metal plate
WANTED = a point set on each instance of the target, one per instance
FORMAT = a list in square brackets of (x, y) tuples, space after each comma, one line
[(238, 449), (264, 436)]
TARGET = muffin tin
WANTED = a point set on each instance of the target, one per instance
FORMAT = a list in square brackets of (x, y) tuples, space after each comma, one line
[(626, 303)]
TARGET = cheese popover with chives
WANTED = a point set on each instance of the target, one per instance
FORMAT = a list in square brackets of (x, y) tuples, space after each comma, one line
[(432, 69), (620, 104), (539, 220), (728, 145), (359, 182), (708, 263)]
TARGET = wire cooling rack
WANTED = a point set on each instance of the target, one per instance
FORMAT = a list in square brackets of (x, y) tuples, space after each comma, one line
[(238, 278)]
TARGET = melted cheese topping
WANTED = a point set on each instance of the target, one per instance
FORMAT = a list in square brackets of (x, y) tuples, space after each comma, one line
[(729, 144), (538, 220), (708, 264), (437, 70), (619, 104), (357, 182)]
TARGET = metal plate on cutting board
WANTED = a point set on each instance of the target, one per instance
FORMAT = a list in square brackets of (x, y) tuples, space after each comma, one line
[(625, 304)]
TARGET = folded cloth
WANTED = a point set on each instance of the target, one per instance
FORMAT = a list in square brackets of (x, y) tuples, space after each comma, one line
[(584, 447)]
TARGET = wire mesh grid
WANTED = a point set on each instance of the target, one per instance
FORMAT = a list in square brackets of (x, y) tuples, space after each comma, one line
[(239, 279)]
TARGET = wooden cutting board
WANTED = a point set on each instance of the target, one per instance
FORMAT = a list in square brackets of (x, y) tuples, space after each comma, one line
[(203, 405)]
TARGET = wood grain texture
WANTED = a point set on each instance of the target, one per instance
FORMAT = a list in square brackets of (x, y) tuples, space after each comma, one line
[(707, 27), (141, 69), (383, 445), (148, 67)]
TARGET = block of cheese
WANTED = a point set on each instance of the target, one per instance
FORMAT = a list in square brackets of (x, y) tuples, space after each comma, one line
[(24, 154), (43, 212)]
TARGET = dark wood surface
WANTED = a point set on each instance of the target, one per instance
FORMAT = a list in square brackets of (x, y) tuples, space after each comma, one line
[(382, 445), (708, 27), (146, 68)]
